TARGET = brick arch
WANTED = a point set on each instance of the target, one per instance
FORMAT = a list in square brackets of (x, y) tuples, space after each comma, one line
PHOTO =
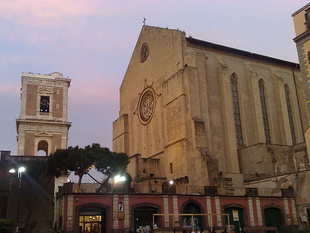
[(192, 201), (282, 213), (94, 205), (202, 219), (146, 204), (134, 222), (142, 204), (273, 206), (232, 205), (237, 206)]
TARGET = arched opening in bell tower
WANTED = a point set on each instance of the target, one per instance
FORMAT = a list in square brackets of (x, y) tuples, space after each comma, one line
[(42, 148)]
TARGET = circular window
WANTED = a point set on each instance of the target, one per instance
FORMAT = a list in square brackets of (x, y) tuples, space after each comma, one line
[(146, 107), (144, 52)]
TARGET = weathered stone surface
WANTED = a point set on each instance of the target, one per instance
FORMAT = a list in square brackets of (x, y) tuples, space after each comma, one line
[(192, 128)]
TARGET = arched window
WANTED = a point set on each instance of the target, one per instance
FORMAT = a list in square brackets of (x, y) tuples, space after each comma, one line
[(42, 148), (192, 208), (289, 111), (261, 86), (236, 109)]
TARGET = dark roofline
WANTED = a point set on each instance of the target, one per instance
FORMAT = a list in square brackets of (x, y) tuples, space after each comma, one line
[(301, 9), (240, 52)]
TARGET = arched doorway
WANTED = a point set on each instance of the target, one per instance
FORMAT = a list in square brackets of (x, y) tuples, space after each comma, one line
[(92, 219), (235, 218), (143, 218), (192, 221), (272, 218), (42, 148)]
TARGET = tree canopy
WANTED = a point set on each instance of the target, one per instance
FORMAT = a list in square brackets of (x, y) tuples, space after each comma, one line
[(81, 160), (6, 225)]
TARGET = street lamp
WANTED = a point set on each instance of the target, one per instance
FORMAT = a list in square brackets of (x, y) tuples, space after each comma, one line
[(119, 178), (118, 183), (19, 175)]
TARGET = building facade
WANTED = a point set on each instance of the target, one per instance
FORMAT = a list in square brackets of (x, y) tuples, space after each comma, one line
[(216, 140), (203, 114), (215, 137), (89, 211), (301, 20), (27, 198), (43, 122), (211, 119)]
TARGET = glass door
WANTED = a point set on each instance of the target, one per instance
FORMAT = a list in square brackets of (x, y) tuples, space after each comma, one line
[(90, 224)]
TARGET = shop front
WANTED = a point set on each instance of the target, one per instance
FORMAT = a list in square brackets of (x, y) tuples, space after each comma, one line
[(143, 213)]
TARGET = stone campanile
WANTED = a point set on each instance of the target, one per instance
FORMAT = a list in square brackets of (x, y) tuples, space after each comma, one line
[(43, 124)]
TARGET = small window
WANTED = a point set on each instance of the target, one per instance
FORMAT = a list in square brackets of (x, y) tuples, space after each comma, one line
[(307, 17), (45, 104), (171, 168)]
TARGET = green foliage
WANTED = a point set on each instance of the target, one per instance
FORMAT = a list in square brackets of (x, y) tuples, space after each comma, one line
[(110, 163), (5, 226), (81, 160), (36, 168)]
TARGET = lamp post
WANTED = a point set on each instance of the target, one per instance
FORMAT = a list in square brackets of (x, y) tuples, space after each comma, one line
[(19, 175), (118, 185)]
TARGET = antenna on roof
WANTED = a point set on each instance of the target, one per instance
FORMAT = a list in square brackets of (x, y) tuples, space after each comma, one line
[(144, 19)]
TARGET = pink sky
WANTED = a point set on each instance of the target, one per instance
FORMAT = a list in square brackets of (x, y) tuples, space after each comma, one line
[(91, 41)]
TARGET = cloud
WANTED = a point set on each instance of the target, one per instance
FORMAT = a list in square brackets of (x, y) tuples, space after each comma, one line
[(4, 59), (48, 12), (91, 41), (9, 89), (94, 87)]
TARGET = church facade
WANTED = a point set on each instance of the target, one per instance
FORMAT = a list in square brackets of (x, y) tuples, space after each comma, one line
[(205, 115), (215, 137), (201, 118)]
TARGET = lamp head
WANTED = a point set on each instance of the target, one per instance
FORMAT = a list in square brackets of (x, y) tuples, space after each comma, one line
[(12, 170), (119, 178), (21, 169)]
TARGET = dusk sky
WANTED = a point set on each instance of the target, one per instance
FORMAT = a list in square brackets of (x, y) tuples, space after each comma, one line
[(91, 42)]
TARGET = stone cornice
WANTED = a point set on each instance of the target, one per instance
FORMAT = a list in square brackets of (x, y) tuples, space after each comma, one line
[(301, 36), (36, 122)]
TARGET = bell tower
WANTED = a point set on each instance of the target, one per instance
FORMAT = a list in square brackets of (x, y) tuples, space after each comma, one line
[(43, 124)]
